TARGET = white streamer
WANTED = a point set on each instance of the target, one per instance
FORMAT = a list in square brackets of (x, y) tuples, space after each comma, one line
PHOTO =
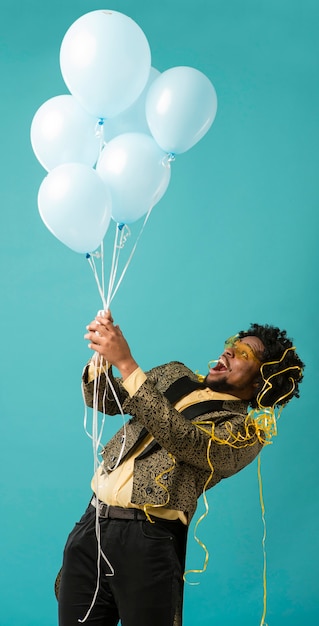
[(132, 253), (121, 236)]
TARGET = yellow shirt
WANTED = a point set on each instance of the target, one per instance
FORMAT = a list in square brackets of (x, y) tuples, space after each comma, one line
[(115, 488)]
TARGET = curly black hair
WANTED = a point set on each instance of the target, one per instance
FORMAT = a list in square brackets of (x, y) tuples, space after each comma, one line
[(285, 385)]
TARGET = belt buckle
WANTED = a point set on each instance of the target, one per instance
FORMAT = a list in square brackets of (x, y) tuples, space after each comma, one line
[(104, 509)]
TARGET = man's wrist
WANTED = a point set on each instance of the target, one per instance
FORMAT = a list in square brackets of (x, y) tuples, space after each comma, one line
[(127, 368)]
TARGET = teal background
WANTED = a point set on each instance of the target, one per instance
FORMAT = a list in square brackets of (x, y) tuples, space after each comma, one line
[(233, 241)]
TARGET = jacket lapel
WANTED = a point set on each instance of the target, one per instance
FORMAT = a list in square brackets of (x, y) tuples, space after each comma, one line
[(144, 432), (182, 387), (178, 389)]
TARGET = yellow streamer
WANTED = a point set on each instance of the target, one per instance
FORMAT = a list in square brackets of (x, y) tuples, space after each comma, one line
[(262, 622), (157, 480), (200, 543), (267, 381), (260, 424)]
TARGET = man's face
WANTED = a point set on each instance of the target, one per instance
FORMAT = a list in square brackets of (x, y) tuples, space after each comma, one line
[(237, 369)]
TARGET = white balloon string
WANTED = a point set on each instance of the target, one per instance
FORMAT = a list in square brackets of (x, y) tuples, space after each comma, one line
[(124, 424), (113, 268), (122, 233), (100, 366), (131, 255), (102, 268), (96, 435), (98, 563), (168, 158), (96, 438), (96, 441), (95, 274), (99, 133)]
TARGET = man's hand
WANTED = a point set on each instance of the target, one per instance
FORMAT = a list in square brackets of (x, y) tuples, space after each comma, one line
[(109, 342)]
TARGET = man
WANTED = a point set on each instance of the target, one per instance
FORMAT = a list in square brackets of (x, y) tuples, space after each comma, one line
[(124, 560)]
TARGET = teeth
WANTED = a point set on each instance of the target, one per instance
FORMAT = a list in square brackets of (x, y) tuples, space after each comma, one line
[(224, 364)]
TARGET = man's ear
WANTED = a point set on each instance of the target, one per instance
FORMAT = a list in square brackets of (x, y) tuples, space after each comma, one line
[(257, 384)]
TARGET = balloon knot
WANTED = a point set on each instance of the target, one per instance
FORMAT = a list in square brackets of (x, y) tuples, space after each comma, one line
[(101, 121), (171, 156), (120, 226), (87, 256)]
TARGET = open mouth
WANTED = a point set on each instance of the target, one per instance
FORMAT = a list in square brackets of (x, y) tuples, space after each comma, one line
[(221, 366)]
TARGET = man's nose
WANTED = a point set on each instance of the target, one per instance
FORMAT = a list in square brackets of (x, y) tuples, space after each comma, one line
[(229, 352)]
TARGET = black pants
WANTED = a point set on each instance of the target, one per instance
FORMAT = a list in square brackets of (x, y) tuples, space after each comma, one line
[(147, 586)]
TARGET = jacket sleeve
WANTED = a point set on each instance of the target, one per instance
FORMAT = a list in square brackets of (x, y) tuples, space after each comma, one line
[(102, 387), (189, 441)]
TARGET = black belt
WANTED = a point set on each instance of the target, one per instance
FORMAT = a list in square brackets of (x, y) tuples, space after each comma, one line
[(116, 512)]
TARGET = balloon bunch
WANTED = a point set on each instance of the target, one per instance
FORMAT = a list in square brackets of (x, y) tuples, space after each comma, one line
[(107, 146)]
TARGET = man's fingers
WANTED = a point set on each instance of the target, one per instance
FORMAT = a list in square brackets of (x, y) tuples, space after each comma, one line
[(108, 315), (105, 324), (100, 334), (99, 326), (105, 315), (91, 336)]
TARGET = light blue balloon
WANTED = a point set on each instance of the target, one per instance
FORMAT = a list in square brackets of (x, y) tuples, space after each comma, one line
[(105, 61), (181, 105), (75, 205), (136, 172), (62, 132), (133, 119)]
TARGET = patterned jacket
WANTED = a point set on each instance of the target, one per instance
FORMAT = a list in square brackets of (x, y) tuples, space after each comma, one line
[(176, 462)]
